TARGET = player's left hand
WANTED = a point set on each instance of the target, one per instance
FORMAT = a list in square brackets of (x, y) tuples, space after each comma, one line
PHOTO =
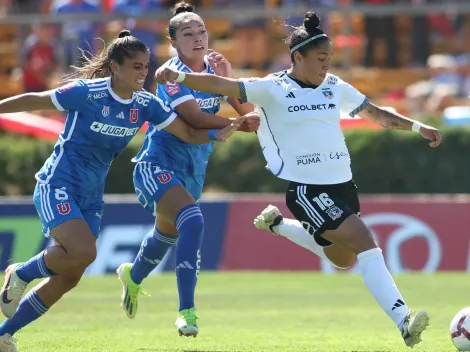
[(222, 67), (431, 134), (226, 132), (165, 74), (251, 123)]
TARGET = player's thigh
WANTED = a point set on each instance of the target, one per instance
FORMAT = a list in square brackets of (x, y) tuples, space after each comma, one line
[(321, 207), (160, 191), (63, 220), (352, 234)]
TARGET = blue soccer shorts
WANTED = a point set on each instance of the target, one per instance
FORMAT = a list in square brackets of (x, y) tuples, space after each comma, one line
[(56, 205), (151, 181)]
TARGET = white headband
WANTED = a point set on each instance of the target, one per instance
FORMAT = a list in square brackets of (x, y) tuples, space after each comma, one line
[(307, 41)]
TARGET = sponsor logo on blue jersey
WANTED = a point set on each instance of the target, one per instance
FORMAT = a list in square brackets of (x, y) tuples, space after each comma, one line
[(208, 103)]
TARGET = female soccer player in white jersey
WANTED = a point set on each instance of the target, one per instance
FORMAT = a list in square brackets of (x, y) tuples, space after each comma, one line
[(302, 142), (103, 116), (158, 174)]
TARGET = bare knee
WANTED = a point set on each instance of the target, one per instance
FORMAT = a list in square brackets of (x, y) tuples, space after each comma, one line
[(77, 247), (80, 258), (165, 226), (340, 256), (83, 257)]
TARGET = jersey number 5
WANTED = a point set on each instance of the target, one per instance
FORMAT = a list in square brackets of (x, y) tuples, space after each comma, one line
[(63, 207)]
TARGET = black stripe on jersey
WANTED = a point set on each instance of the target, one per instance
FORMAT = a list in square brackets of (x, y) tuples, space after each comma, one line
[(243, 98), (274, 140), (359, 108)]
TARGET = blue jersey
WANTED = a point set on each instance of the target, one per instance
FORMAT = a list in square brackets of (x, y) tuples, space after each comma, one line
[(99, 126), (161, 147)]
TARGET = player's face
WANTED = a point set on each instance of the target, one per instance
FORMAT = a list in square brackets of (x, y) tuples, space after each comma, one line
[(133, 71), (191, 39), (316, 62)]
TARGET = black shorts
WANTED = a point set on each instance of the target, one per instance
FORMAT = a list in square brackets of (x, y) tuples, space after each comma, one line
[(322, 207)]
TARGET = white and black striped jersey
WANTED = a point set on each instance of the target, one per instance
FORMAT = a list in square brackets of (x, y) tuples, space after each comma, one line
[(300, 132)]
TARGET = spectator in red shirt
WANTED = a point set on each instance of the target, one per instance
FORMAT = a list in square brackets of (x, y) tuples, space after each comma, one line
[(40, 59)]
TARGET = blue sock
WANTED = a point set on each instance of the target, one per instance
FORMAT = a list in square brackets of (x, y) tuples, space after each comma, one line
[(152, 250), (35, 268), (30, 308), (190, 225)]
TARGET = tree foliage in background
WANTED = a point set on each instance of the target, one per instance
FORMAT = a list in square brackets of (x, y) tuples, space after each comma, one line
[(382, 161)]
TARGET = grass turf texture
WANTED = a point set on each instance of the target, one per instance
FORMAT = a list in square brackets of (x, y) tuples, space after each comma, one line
[(247, 312)]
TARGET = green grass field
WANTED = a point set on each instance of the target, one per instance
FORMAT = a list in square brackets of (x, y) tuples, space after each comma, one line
[(247, 312)]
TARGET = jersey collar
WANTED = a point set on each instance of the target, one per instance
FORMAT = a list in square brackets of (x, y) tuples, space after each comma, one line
[(115, 96), (304, 85), (189, 70)]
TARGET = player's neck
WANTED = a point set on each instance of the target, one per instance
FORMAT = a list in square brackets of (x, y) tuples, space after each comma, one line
[(120, 91), (300, 77)]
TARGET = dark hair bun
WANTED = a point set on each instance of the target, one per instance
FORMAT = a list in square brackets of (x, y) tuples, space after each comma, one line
[(311, 21), (124, 33), (182, 7)]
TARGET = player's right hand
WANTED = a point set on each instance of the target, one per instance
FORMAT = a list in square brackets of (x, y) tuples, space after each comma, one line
[(251, 123), (431, 134), (226, 132), (165, 74)]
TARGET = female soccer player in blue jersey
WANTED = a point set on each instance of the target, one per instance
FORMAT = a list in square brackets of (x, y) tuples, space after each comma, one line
[(159, 175), (303, 143), (106, 108)]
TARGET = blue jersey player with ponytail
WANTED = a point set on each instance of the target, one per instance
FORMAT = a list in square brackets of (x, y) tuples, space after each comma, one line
[(163, 181), (106, 107)]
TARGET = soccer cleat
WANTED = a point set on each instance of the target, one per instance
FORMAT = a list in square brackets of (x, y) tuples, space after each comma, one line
[(269, 217), (12, 291), (186, 323), (130, 290), (8, 343), (413, 327)]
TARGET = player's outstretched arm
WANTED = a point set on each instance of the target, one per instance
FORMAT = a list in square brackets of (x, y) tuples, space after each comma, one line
[(191, 135), (204, 82), (223, 68), (395, 121), (27, 102)]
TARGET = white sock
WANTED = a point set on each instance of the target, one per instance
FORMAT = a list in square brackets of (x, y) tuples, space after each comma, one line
[(380, 283), (294, 231)]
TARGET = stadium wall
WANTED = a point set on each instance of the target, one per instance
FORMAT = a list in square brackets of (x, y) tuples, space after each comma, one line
[(424, 233)]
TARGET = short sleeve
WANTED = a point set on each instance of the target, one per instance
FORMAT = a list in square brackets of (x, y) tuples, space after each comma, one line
[(352, 101), (174, 93), (160, 113), (70, 96), (258, 91)]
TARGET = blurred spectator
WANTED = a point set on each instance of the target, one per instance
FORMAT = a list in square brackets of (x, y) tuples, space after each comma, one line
[(381, 27), (250, 35), (420, 37), (149, 31), (444, 83), (5, 7), (25, 6), (40, 59), (319, 6), (80, 34)]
